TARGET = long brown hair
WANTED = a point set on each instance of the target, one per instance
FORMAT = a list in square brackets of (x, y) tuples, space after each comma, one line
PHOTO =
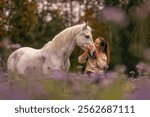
[(105, 48)]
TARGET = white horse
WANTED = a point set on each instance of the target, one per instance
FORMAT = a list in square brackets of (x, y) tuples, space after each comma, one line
[(54, 55)]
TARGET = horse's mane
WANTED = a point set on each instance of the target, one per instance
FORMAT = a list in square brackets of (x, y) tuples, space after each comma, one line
[(64, 35)]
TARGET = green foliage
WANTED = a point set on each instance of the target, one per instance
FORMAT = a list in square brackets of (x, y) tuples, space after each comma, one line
[(97, 26), (23, 19), (112, 2), (28, 24), (45, 31), (128, 43), (3, 18)]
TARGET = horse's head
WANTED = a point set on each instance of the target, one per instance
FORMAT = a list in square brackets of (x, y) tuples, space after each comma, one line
[(84, 37)]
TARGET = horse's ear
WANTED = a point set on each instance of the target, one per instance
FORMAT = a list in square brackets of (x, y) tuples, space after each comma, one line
[(85, 25)]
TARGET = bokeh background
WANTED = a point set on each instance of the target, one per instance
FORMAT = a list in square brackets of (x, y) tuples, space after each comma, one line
[(124, 23)]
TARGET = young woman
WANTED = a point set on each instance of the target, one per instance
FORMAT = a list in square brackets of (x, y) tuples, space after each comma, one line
[(99, 63)]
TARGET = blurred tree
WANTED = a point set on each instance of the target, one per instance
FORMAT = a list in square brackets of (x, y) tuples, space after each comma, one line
[(97, 25), (46, 30), (3, 18), (35, 22), (124, 42), (112, 2), (23, 20)]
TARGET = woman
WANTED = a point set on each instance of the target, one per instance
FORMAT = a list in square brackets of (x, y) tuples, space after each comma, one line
[(99, 63)]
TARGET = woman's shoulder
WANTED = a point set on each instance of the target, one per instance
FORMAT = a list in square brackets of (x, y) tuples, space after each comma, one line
[(103, 56)]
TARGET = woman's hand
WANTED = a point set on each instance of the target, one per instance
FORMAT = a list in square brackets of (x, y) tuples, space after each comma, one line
[(86, 51), (91, 51), (89, 48)]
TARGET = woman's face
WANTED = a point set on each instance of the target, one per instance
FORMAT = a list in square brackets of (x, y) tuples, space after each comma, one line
[(97, 42)]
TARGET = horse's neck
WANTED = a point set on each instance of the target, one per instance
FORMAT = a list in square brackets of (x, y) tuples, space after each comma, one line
[(64, 48), (67, 49)]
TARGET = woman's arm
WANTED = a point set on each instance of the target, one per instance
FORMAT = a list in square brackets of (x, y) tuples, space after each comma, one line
[(102, 61), (82, 58)]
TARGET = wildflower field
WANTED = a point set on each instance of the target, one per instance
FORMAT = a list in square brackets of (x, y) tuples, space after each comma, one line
[(112, 85)]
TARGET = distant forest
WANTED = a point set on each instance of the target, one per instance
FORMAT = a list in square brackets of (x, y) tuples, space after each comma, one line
[(124, 23)]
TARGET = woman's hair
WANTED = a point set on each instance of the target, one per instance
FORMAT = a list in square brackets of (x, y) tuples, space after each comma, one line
[(105, 48)]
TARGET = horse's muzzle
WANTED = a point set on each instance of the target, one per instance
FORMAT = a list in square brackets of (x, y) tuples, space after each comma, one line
[(92, 54)]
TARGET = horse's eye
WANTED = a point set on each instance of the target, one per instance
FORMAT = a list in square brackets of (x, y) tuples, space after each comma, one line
[(87, 36)]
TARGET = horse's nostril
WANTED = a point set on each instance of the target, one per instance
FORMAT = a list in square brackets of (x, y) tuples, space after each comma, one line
[(92, 54), (87, 36)]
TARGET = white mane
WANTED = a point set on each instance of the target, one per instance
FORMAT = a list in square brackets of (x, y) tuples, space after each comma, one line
[(63, 36)]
